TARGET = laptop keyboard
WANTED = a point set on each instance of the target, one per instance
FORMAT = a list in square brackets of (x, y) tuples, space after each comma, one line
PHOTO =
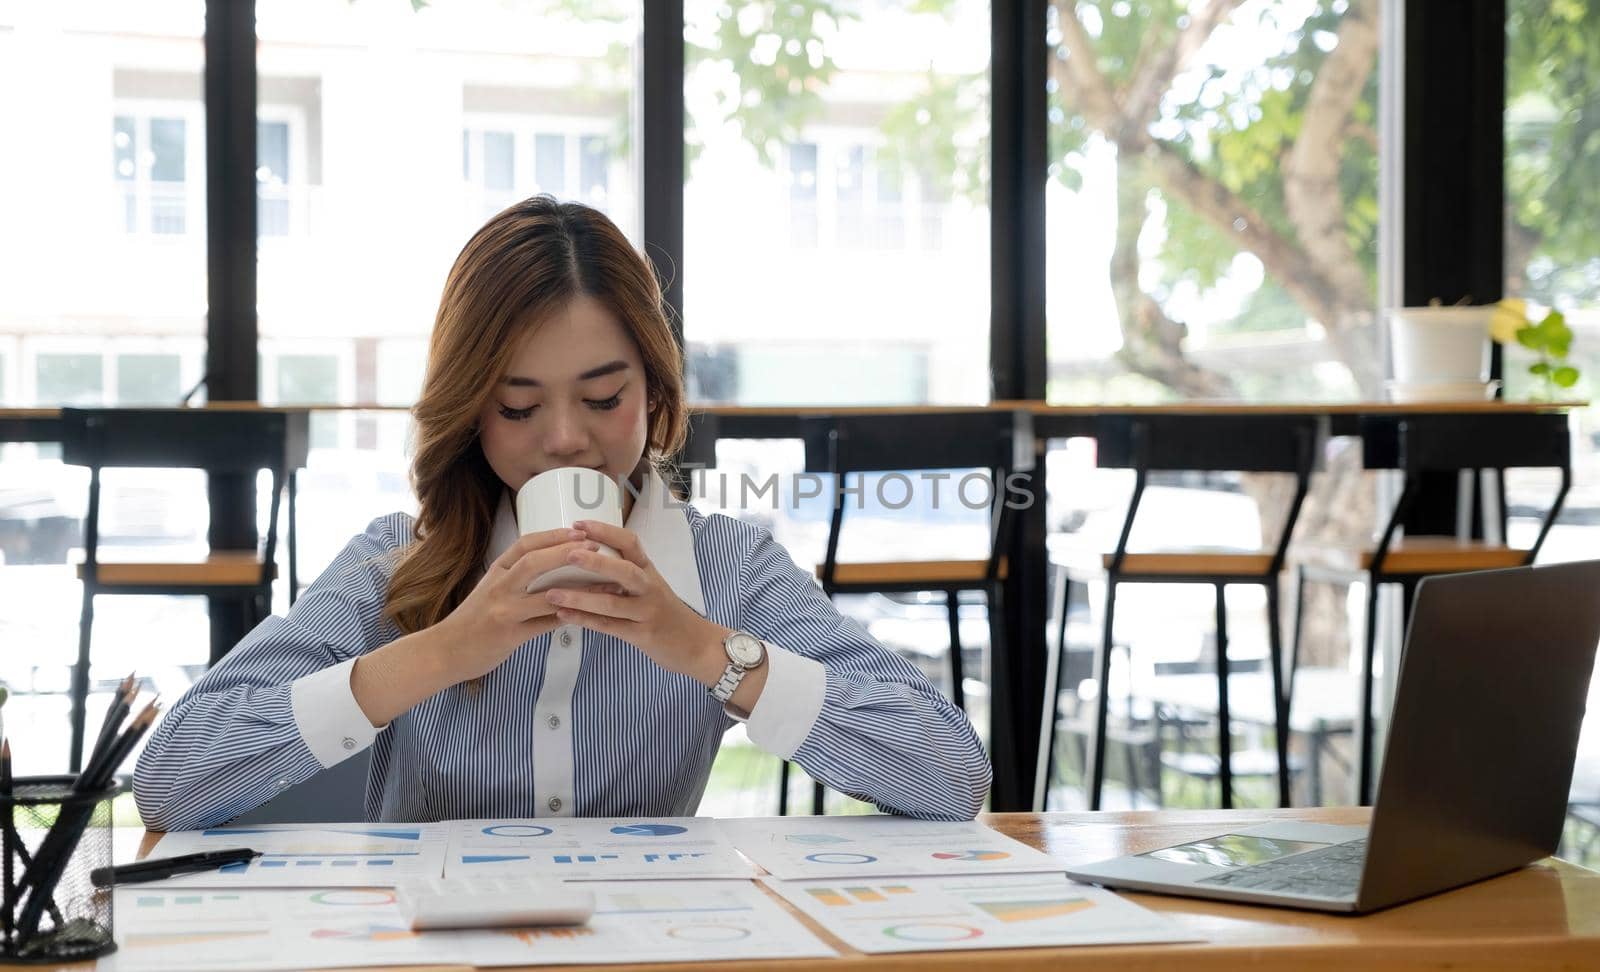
[(1331, 872)]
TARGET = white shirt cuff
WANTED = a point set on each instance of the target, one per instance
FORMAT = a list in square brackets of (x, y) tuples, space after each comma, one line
[(789, 705), (328, 716)]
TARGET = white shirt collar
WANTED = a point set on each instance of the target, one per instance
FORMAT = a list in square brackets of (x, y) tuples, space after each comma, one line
[(661, 521)]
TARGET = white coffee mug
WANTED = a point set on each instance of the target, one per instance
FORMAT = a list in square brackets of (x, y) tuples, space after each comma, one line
[(558, 498)]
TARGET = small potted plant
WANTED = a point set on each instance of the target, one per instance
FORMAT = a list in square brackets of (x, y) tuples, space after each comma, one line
[(1549, 338)]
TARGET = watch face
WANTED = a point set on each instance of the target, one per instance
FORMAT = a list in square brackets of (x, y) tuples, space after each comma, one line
[(745, 651)]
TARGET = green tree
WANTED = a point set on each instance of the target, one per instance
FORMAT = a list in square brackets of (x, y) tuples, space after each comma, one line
[(1553, 151)]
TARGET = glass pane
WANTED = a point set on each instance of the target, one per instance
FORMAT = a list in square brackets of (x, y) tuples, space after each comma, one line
[(272, 178), (1552, 259), (148, 379), (68, 379), (499, 161), (102, 298), (1211, 233), (1212, 224), (821, 134), (594, 164), (379, 97), (168, 150), (550, 164)]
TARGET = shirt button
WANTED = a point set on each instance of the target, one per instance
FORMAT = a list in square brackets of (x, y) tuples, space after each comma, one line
[(553, 722), (283, 784), (566, 639), (349, 743), (554, 804)]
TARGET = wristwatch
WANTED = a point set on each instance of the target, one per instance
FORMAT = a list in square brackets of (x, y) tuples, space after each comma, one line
[(745, 651)]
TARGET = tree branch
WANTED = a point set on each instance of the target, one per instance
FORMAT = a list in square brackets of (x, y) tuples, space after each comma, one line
[(1077, 74), (1159, 62), (1152, 342), (1283, 258), (1311, 191)]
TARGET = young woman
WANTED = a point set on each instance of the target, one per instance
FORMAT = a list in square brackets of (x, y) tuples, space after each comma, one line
[(479, 700)]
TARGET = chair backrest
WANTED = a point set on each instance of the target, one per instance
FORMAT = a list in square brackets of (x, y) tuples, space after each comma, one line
[(220, 440), (1210, 442), (893, 442), (335, 795), (1420, 443)]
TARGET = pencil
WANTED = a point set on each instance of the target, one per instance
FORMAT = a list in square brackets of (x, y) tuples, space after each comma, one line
[(115, 713), (55, 852)]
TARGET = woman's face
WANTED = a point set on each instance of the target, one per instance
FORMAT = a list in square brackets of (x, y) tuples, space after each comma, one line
[(574, 396)]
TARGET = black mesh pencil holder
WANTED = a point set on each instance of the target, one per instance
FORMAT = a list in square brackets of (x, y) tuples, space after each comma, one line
[(71, 918)]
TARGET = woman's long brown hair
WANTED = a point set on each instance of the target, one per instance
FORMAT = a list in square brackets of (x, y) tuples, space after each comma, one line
[(524, 265)]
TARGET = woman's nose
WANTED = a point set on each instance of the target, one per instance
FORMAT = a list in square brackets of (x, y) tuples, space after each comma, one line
[(565, 434)]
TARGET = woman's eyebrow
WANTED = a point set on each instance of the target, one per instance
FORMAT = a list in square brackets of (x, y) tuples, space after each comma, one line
[(610, 367)]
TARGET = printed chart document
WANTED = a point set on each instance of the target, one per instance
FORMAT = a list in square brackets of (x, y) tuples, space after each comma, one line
[(311, 855), (998, 911), (267, 929), (853, 847), (659, 921), (595, 848)]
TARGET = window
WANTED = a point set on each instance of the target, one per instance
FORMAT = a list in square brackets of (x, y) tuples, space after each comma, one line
[(1212, 226), (272, 177), (151, 165), (68, 378), (506, 159), (148, 379), (801, 214)]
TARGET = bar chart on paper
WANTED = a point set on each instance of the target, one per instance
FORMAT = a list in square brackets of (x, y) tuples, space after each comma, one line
[(999, 911), (313, 855), (579, 849)]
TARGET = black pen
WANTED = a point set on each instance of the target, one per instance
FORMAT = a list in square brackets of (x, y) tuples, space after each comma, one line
[(169, 866)]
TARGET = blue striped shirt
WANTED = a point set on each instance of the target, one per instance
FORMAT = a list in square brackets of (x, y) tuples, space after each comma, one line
[(602, 731)]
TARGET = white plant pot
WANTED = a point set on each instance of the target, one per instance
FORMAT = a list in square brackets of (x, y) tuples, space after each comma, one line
[(1441, 349)]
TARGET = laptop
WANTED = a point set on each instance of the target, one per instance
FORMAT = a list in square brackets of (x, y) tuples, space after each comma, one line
[(1490, 698)]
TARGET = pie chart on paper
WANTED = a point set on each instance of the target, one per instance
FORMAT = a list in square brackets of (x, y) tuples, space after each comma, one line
[(648, 830), (971, 855)]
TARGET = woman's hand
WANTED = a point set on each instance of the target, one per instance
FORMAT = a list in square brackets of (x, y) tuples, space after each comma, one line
[(500, 615), (640, 608)]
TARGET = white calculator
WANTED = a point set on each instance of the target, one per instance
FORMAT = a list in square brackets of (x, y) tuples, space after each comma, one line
[(492, 902)]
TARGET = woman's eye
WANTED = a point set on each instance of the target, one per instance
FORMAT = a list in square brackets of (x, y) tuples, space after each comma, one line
[(605, 405), (516, 414)]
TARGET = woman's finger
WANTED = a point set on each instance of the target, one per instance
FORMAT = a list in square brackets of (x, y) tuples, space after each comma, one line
[(536, 541), (615, 627), (609, 605), (538, 562), (629, 577), (624, 542)]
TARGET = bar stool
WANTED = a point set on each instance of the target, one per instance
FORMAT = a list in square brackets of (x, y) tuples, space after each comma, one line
[(1418, 445), (223, 440), (895, 443), (1194, 442)]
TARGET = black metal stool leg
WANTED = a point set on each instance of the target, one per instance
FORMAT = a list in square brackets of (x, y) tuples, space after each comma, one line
[(80, 679), (1224, 721), (1364, 744), (953, 608), (783, 788), (1280, 691), (817, 796), (1097, 768)]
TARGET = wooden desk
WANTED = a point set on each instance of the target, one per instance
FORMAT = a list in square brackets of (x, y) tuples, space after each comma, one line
[(1544, 916)]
